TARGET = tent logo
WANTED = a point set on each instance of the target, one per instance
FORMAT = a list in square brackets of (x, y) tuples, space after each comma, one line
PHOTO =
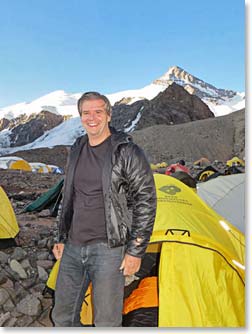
[(170, 190)]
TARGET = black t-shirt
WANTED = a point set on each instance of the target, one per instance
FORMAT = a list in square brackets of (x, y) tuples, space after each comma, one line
[(88, 222)]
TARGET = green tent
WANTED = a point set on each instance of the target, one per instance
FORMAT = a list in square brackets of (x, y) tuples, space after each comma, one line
[(48, 200)]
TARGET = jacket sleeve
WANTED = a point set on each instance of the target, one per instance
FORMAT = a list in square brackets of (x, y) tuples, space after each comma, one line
[(142, 193)]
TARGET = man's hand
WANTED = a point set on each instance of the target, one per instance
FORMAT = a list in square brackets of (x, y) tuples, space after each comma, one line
[(58, 251), (130, 264)]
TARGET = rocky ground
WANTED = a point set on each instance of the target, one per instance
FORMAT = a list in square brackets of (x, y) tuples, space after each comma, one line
[(24, 272), (25, 268)]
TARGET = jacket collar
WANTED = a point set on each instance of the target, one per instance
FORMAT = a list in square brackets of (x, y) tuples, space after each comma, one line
[(119, 137)]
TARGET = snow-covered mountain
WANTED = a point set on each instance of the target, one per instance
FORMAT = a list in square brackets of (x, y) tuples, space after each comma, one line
[(57, 102), (220, 102)]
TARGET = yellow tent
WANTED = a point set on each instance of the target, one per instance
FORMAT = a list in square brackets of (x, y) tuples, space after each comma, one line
[(14, 163), (8, 223), (40, 167), (201, 271), (51, 282), (19, 165), (202, 256), (44, 169), (86, 315), (204, 175), (153, 166), (235, 161), (162, 164)]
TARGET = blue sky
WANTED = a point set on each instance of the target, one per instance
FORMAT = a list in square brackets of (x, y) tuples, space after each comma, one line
[(114, 45)]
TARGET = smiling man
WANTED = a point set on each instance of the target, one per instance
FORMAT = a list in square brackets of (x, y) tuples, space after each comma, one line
[(107, 217), (95, 120)]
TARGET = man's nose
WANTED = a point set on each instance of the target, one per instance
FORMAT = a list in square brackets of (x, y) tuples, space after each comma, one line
[(91, 115)]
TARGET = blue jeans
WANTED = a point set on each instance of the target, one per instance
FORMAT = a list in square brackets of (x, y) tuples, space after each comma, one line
[(96, 263)]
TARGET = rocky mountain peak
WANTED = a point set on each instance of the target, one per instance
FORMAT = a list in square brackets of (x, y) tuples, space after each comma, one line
[(176, 73), (193, 85), (172, 106)]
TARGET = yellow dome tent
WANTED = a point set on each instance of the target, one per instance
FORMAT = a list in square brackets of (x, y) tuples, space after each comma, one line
[(153, 167), (8, 223), (162, 164), (204, 175), (44, 169), (235, 161), (40, 167), (19, 165), (14, 163), (201, 279), (201, 272)]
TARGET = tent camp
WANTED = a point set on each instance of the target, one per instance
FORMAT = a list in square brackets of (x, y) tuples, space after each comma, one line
[(226, 195), (199, 257), (8, 223), (14, 163)]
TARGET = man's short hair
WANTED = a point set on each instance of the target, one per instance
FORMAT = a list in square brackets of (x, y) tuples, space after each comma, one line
[(94, 96)]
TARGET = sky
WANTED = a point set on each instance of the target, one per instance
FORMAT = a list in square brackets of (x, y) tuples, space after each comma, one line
[(112, 45)]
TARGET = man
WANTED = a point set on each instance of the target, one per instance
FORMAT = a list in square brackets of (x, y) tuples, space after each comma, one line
[(108, 212)]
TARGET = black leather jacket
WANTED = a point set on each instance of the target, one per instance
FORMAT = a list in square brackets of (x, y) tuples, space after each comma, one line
[(129, 194)]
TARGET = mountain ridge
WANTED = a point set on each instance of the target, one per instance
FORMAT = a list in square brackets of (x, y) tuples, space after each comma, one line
[(60, 102)]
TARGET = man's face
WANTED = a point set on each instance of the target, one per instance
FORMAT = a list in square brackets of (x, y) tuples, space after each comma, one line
[(95, 119)]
